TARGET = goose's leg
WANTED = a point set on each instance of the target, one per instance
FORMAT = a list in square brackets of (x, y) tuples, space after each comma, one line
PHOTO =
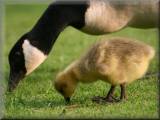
[(123, 92)]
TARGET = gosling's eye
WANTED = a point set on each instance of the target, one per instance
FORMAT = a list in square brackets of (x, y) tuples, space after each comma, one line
[(61, 91)]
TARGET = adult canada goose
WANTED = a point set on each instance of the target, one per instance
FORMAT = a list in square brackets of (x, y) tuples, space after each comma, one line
[(118, 61), (89, 16)]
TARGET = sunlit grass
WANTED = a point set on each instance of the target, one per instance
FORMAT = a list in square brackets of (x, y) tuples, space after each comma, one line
[(35, 96)]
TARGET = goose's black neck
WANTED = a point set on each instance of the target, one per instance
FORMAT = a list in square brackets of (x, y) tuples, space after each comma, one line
[(53, 21)]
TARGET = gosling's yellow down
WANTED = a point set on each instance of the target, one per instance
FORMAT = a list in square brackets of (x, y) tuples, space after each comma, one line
[(118, 61)]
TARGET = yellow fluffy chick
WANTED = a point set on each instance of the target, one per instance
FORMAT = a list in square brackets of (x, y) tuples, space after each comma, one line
[(118, 61)]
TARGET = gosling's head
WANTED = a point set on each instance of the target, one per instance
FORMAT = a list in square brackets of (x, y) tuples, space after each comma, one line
[(65, 84)]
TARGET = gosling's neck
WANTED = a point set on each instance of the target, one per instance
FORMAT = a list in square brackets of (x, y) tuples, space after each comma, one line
[(72, 72)]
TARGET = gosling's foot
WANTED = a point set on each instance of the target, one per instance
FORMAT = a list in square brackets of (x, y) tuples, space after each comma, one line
[(98, 99), (110, 99)]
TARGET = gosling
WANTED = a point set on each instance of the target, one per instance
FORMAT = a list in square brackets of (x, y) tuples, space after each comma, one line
[(118, 61)]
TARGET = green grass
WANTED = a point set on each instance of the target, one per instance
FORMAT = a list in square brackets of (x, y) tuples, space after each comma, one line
[(35, 97)]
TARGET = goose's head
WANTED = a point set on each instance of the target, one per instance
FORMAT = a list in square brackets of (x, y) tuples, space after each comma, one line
[(23, 59)]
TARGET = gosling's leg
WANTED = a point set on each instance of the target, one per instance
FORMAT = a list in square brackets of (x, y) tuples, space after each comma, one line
[(123, 92), (108, 98)]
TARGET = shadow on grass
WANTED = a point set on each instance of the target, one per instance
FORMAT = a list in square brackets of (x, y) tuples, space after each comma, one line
[(41, 103), (34, 102)]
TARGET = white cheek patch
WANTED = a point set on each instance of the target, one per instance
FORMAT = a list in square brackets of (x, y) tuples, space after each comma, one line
[(33, 56)]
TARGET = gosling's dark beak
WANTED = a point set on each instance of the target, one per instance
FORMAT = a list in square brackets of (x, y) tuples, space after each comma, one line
[(14, 80), (67, 99)]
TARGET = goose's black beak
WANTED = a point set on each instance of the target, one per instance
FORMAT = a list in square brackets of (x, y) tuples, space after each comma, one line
[(67, 99), (14, 79)]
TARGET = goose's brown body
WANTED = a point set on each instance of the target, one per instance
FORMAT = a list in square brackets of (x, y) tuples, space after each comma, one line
[(106, 16), (117, 61)]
